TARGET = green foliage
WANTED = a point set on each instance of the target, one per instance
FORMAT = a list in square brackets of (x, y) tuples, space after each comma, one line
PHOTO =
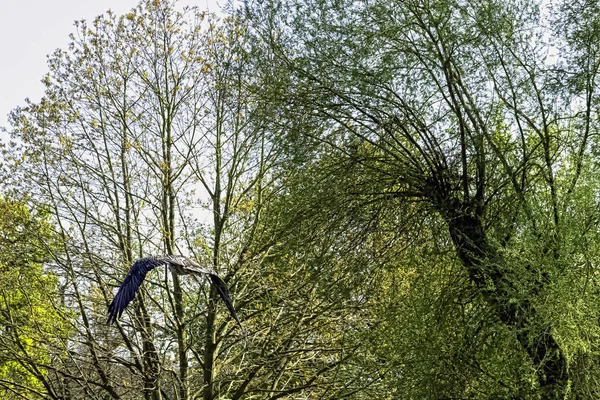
[(32, 324), (451, 111), (402, 197)]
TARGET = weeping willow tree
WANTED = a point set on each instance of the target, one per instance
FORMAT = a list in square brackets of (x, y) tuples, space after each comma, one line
[(481, 118)]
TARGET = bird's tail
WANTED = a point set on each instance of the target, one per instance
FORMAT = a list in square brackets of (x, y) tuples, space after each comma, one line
[(224, 293)]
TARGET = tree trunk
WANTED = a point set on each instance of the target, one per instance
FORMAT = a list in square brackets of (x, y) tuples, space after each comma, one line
[(151, 363), (210, 347), (485, 266)]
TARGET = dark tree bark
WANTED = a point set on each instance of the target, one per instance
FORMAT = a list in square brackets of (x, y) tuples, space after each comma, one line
[(485, 266)]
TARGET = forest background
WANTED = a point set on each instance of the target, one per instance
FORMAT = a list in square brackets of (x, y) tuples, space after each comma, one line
[(401, 195)]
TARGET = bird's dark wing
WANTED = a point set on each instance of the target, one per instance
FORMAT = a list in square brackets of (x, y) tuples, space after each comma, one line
[(224, 293), (130, 285)]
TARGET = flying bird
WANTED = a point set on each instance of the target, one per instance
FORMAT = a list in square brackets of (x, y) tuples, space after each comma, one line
[(180, 265)]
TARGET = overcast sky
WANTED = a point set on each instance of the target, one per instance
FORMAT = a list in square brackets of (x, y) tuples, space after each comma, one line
[(31, 29)]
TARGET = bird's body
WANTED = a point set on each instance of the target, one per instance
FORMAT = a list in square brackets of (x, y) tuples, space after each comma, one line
[(180, 265)]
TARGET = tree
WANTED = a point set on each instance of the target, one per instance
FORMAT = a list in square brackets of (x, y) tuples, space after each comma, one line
[(150, 139), (115, 148), (455, 106), (32, 327)]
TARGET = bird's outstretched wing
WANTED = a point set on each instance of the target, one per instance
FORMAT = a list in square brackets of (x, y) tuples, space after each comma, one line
[(224, 293), (184, 265), (130, 285), (181, 265)]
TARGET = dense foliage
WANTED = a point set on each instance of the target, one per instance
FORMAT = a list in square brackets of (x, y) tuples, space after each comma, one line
[(402, 196)]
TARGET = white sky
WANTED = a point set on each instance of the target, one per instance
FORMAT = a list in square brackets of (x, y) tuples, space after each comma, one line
[(31, 29)]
